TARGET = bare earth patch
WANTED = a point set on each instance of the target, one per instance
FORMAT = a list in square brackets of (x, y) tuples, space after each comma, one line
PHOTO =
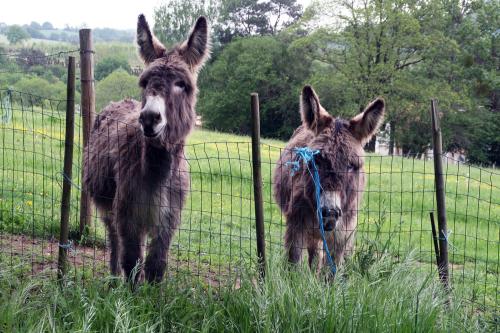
[(41, 255)]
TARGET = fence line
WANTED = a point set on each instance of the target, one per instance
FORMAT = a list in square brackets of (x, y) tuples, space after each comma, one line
[(217, 238)]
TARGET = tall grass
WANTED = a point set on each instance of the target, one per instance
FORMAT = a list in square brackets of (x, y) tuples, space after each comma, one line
[(384, 297)]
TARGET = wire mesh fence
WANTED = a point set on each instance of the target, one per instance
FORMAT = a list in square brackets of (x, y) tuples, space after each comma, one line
[(216, 240)]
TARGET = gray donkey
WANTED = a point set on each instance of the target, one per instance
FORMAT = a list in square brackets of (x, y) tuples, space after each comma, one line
[(134, 164), (340, 166)]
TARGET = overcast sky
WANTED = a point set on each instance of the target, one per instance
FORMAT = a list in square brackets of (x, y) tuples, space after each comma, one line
[(93, 13)]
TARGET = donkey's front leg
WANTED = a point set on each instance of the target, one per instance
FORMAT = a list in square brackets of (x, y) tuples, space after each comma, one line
[(156, 259), (132, 252), (114, 243), (294, 243)]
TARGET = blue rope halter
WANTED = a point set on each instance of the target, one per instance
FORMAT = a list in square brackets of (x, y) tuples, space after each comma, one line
[(306, 155)]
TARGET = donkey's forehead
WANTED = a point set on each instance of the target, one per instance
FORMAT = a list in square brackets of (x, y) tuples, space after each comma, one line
[(166, 69), (337, 143)]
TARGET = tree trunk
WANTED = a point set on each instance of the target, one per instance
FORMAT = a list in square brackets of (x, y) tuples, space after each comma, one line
[(392, 135)]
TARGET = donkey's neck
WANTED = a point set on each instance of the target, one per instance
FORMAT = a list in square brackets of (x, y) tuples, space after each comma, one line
[(156, 162)]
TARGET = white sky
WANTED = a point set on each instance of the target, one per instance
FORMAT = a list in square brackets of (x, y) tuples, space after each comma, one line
[(93, 13)]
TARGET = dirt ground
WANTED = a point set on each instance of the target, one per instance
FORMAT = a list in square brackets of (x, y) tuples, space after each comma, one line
[(41, 255)]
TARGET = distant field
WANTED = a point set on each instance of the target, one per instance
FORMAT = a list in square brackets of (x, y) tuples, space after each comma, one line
[(127, 51), (43, 43), (122, 50), (217, 232)]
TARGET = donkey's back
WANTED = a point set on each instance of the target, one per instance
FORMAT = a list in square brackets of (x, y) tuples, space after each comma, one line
[(111, 144)]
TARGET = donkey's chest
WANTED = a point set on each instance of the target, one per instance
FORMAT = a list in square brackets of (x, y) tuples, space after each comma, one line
[(150, 208)]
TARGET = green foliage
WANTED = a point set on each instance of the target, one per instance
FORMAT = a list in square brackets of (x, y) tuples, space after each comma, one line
[(47, 26), (35, 25), (110, 35), (409, 52), (9, 79), (33, 32), (115, 87), (16, 34), (108, 65), (240, 18), (117, 50), (42, 88), (253, 64), (228, 18), (174, 18)]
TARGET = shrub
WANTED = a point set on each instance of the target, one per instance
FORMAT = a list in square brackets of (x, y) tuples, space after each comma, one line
[(116, 86)]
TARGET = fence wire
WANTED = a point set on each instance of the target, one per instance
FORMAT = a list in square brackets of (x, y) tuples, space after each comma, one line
[(215, 241)]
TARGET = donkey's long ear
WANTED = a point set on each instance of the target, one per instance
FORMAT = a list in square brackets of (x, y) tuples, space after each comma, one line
[(312, 113), (365, 124), (150, 48), (196, 49)]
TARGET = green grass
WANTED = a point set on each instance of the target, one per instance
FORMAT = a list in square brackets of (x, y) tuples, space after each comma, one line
[(384, 297), (217, 235)]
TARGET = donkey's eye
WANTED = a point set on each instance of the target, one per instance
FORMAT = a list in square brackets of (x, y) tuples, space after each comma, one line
[(180, 86), (352, 168)]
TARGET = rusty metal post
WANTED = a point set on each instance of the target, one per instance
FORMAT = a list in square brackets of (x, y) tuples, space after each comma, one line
[(68, 163), (257, 184), (87, 114), (440, 196)]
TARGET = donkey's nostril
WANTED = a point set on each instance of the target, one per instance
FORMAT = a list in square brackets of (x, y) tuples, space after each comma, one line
[(157, 116), (331, 212)]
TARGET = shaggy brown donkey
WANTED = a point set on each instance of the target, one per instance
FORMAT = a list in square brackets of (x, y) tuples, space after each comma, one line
[(134, 165), (340, 165)]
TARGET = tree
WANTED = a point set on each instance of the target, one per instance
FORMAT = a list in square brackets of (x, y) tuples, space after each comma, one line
[(34, 33), (47, 26), (115, 87), (109, 65), (41, 90), (260, 64), (174, 18), (254, 17), (28, 57), (370, 44), (35, 25), (16, 34)]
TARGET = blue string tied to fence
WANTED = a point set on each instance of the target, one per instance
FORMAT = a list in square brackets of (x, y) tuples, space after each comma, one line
[(306, 156), (68, 246)]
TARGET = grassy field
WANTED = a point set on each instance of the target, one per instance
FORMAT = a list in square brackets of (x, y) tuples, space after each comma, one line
[(217, 235)]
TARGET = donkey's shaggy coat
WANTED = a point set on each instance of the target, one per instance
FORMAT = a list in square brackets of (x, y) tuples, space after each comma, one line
[(134, 165), (340, 166)]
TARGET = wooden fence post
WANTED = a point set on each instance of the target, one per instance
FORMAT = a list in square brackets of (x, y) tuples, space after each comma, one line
[(68, 163), (257, 184), (87, 114), (440, 196)]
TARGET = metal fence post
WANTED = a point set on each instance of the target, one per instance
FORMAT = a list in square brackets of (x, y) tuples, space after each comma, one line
[(68, 163), (87, 114), (440, 196), (257, 184)]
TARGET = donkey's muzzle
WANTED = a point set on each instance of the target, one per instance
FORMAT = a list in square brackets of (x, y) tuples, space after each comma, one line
[(330, 216), (149, 121), (334, 213)]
